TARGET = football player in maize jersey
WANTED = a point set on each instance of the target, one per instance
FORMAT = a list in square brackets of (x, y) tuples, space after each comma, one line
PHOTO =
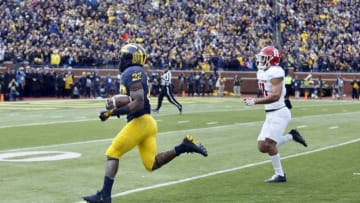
[(141, 128), (271, 81)]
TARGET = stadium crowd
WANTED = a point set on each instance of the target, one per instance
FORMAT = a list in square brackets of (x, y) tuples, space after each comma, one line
[(189, 35), (214, 34)]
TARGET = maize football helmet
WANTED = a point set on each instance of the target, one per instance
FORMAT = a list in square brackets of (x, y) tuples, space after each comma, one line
[(132, 54), (268, 56)]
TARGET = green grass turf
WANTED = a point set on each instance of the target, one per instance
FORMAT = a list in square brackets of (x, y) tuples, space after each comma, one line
[(326, 171), (309, 180)]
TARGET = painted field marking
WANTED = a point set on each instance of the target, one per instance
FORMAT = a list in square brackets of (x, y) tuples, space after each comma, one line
[(333, 127), (183, 121), (228, 170), (212, 123), (27, 156), (93, 119), (162, 133)]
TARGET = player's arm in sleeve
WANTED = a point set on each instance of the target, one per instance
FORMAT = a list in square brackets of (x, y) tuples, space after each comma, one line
[(275, 95)]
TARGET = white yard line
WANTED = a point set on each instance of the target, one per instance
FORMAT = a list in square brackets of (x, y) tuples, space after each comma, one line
[(241, 108), (47, 123), (164, 133), (229, 170), (199, 129), (110, 139), (183, 122), (96, 119)]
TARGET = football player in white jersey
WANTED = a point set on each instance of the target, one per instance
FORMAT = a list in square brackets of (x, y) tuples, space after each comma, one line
[(271, 81)]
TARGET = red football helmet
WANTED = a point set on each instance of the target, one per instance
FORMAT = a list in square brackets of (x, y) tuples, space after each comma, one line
[(268, 56)]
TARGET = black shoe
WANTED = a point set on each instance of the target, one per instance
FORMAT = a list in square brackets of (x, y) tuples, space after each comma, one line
[(297, 137), (155, 110), (191, 145), (180, 110), (97, 198), (276, 179)]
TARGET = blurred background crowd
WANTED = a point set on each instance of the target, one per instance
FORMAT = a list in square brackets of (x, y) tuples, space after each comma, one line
[(321, 35), (224, 35)]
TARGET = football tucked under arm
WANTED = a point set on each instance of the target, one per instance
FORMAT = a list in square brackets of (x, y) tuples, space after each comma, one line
[(115, 106), (117, 101)]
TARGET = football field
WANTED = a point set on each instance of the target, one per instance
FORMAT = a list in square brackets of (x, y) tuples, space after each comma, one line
[(53, 152)]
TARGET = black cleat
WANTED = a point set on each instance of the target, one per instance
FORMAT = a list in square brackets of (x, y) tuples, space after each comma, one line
[(180, 110), (191, 145), (155, 110), (97, 198), (297, 137), (276, 179)]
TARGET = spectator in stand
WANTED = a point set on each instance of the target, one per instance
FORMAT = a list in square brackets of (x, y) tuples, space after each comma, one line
[(108, 85), (202, 85), (69, 82), (340, 83), (221, 85), (197, 84), (55, 59), (297, 87), (60, 85), (89, 86), (20, 79), (237, 85), (197, 30), (2, 53), (288, 85), (191, 84), (96, 83), (1, 83), (13, 90), (155, 88), (181, 86), (213, 35), (210, 85), (82, 84), (36, 83), (118, 82), (355, 89), (320, 86), (75, 94)]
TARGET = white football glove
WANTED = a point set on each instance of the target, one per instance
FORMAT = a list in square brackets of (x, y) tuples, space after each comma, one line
[(249, 101)]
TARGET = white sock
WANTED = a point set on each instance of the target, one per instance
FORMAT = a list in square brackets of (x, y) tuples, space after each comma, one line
[(283, 139), (276, 162)]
